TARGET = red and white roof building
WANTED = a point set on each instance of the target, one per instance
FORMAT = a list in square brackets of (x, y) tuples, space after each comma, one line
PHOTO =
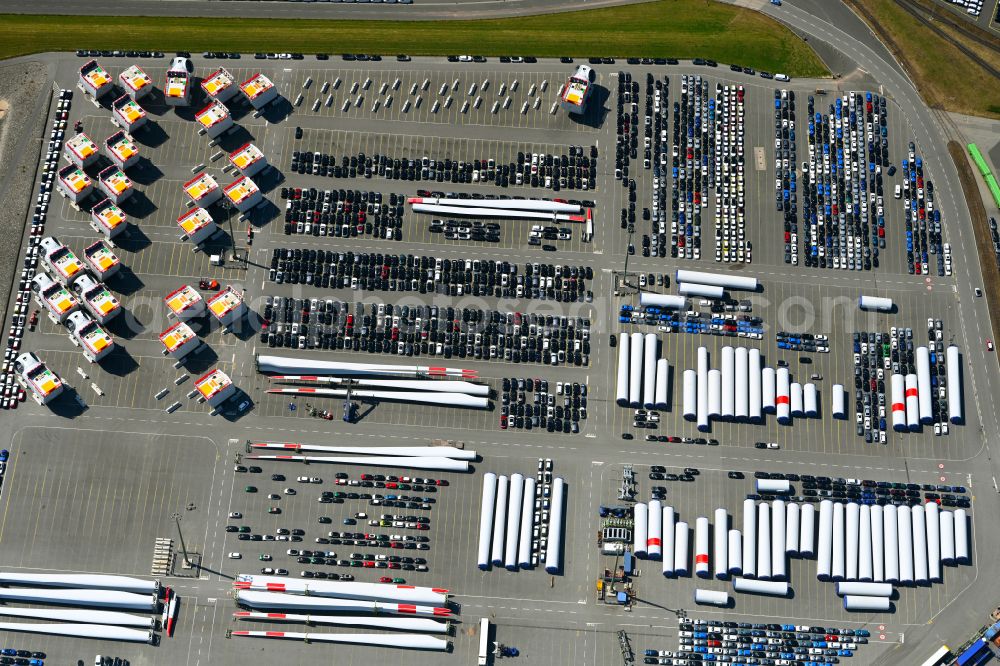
[(98, 299), (227, 306), (177, 89), (203, 190), (114, 183), (220, 85), (259, 91), (81, 150), (74, 183), (136, 82), (95, 80), (45, 385), (248, 160), (54, 297), (109, 219), (197, 225), (60, 261), (215, 387), (214, 119), (243, 194), (101, 260), (95, 342), (127, 114), (185, 303), (179, 340), (121, 149)]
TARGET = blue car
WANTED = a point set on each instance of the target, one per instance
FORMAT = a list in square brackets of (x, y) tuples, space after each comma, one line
[(3, 455)]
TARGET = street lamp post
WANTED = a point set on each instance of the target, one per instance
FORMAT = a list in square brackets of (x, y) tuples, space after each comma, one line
[(180, 536)]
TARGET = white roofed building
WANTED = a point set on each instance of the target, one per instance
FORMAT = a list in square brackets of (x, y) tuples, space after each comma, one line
[(97, 299), (60, 261), (215, 387), (101, 260), (220, 85), (177, 90), (95, 342), (108, 218), (248, 160), (127, 114), (81, 150), (197, 225), (203, 190), (185, 303), (45, 385), (136, 82), (214, 119), (74, 183), (259, 91), (227, 306), (179, 340), (121, 149), (243, 194), (114, 183), (57, 300), (95, 80)]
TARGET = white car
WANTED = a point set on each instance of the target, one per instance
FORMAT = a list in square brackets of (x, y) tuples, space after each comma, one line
[(236, 515), (235, 556)]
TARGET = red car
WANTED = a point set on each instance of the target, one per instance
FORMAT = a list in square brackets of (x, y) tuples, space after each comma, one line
[(385, 579)]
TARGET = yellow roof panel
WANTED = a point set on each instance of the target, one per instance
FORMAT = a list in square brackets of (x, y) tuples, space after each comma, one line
[(213, 383), (199, 187), (224, 302), (240, 190), (117, 182), (182, 299), (131, 111), (76, 180), (212, 114), (257, 85), (97, 77)]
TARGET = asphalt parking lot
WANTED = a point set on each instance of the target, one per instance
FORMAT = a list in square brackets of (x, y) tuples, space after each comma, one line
[(529, 607)]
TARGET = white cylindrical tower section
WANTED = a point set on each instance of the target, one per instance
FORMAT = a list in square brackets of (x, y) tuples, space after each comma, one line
[(662, 373), (500, 520), (904, 529), (764, 541), (749, 538), (912, 403), (851, 522), (838, 569), (622, 385), (924, 396), (919, 529), (486, 519), (714, 394), (728, 382), (838, 401), (682, 566), (891, 543), (651, 350), (513, 530), (754, 389), (947, 529), (954, 369), (702, 389), (635, 371), (870, 604), (654, 530), (933, 529), (778, 556), (878, 545), (865, 543), (773, 588), (735, 553), (767, 390), (640, 529), (689, 393), (824, 566), (742, 384), (807, 531), (865, 589), (720, 547), (792, 528), (553, 555), (782, 396), (701, 547), (810, 400), (961, 521), (795, 400), (669, 516), (710, 597), (527, 509)]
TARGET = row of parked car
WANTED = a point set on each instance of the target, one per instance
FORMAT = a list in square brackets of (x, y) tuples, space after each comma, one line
[(528, 404), (370, 271), (922, 220), (693, 171), (379, 328), (785, 162), (702, 641), (342, 213), (843, 210)]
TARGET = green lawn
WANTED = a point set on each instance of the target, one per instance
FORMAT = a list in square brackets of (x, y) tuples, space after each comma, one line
[(664, 28)]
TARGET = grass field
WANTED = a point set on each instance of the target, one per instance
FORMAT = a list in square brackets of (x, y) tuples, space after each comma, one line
[(945, 76), (664, 28)]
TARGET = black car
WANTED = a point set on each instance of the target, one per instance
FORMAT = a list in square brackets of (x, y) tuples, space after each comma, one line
[(736, 475)]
